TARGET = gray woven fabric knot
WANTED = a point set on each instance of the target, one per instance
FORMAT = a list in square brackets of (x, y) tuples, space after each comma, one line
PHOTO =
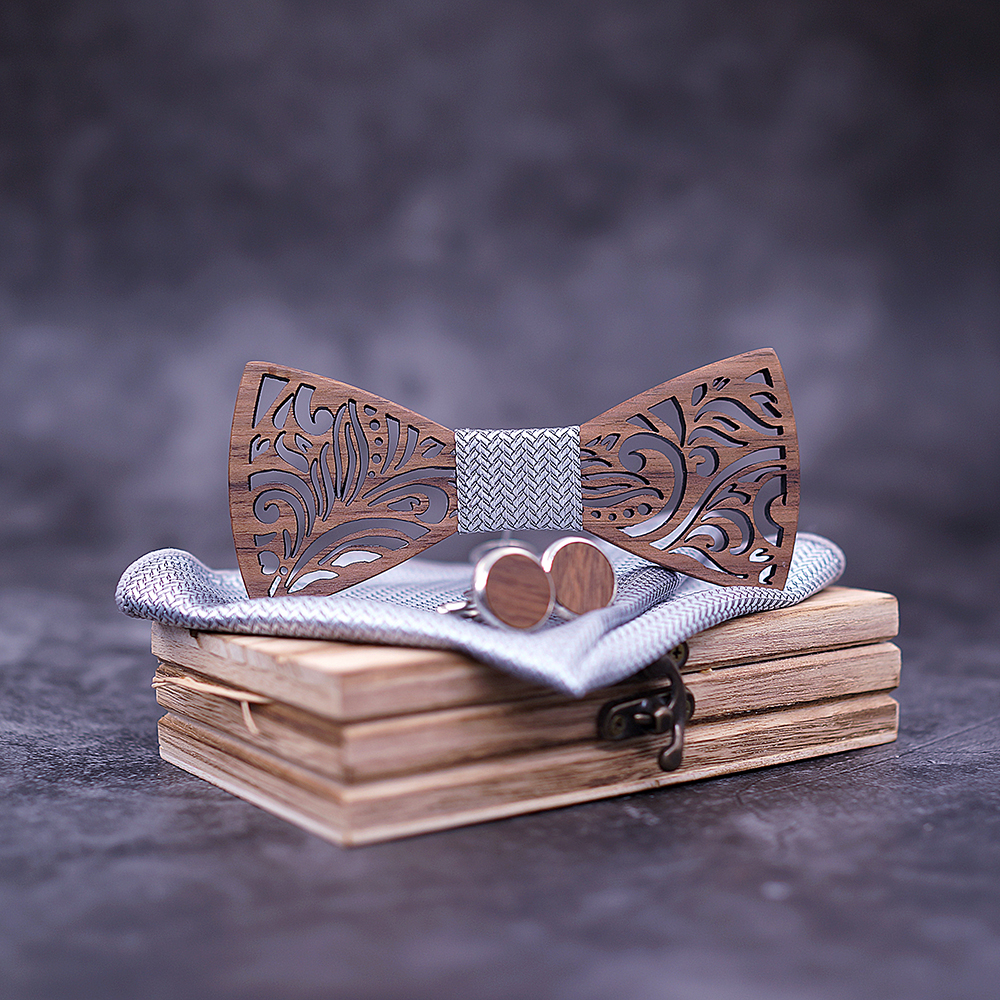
[(518, 479)]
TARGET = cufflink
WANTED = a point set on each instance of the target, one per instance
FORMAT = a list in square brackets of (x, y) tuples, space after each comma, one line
[(509, 589), (514, 588), (581, 574)]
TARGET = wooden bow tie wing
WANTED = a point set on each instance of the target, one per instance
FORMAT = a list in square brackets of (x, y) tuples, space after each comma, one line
[(700, 474), (329, 485)]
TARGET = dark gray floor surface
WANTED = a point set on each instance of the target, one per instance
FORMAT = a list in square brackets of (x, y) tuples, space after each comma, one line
[(869, 874)]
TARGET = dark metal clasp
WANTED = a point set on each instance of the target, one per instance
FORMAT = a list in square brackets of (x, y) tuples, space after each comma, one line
[(653, 712)]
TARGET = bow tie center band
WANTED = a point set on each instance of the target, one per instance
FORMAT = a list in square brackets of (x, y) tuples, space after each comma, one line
[(330, 485)]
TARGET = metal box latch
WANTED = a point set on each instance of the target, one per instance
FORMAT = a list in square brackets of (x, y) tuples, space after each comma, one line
[(652, 713)]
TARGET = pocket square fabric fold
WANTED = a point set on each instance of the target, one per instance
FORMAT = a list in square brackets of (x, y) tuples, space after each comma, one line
[(654, 610)]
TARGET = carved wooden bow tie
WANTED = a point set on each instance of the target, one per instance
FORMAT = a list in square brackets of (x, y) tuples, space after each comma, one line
[(329, 484)]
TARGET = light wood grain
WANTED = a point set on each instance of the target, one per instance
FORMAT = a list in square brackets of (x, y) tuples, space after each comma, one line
[(363, 750), (543, 779), (346, 681)]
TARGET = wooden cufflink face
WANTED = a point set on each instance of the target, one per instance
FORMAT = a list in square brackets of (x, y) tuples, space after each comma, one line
[(510, 587), (581, 575)]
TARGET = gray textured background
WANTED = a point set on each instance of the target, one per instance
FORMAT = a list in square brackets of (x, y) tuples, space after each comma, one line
[(502, 214), (496, 213)]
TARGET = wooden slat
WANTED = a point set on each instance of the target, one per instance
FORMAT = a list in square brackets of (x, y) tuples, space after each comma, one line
[(349, 681), (397, 807), (832, 619), (427, 740)]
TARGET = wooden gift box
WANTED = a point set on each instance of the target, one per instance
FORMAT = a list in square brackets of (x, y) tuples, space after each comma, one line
[(362, 743)]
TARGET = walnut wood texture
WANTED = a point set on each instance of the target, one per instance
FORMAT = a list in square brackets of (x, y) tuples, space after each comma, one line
[(518, 591), (701, 473), (357, 751), (347, 681), (329, 484), (582, 576), (542, 779)]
